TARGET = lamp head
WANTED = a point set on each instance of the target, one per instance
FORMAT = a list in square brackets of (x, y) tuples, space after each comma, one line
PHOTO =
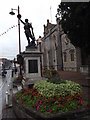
[(11, 13)]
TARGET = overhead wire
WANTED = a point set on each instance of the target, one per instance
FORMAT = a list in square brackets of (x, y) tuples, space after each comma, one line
[(8, 30)]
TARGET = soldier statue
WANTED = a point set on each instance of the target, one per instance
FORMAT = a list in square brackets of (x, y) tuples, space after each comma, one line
[(28, 31)]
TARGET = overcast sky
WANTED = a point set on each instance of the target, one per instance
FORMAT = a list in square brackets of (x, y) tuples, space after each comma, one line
[(37, 11)]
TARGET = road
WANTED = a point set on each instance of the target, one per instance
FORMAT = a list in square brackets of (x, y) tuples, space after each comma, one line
[(4, 82)]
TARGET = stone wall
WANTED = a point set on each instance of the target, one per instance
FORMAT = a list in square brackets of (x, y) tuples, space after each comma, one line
[(71, 64)]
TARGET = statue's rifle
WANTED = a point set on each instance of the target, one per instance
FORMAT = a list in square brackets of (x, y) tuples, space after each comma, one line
[(33, 33)]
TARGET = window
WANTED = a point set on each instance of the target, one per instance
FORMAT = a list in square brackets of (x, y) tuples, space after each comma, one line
[(65, 56), (72, 55), (54, 42)]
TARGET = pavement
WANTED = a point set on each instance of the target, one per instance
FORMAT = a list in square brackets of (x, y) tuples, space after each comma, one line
[(8, 114), (7, 111)]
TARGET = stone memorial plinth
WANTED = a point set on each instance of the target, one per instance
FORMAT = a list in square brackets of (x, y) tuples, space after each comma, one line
[(32, 63)]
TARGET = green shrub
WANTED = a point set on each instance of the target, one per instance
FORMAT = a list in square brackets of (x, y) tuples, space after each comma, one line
[(48, 89), (56, 80), (50, 73)]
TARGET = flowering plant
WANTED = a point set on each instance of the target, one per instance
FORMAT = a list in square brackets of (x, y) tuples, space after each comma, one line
[(48, 89), (50, 104)]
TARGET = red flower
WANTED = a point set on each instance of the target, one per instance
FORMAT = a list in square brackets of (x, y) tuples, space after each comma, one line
[(78, 107), (44, 106), (59, 105), (50, 98), (32, 90), (32, 105), (53, 100), (60, 99), (27, 92), (50, 110), (32, 95), (47, 101), (40, 102), (81, 102), (37, 108), (37, 102), (85, 105)]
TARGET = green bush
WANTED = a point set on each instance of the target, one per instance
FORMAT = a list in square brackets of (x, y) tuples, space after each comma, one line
[(56, 80), (48, 89), (50, 73)]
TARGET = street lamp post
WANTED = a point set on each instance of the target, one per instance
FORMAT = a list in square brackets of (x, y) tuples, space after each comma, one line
[(12, 13)]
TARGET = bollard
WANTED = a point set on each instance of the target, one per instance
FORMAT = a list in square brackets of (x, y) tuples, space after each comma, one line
[(10, 86), (23, 82), (8, 89), (12, 73), (6, 97)]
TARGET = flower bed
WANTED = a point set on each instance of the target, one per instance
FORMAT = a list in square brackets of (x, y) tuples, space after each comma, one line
[(30, 113), (49, 98)]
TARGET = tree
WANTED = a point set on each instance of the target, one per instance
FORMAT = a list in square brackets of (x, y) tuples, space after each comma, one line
[(75, 21)]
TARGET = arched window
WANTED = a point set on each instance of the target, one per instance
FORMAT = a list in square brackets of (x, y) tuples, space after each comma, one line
[(72, 55), (54, 42), (65, 56)]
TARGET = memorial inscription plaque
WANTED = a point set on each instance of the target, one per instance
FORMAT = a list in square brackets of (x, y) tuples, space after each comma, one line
[(33, 66)]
